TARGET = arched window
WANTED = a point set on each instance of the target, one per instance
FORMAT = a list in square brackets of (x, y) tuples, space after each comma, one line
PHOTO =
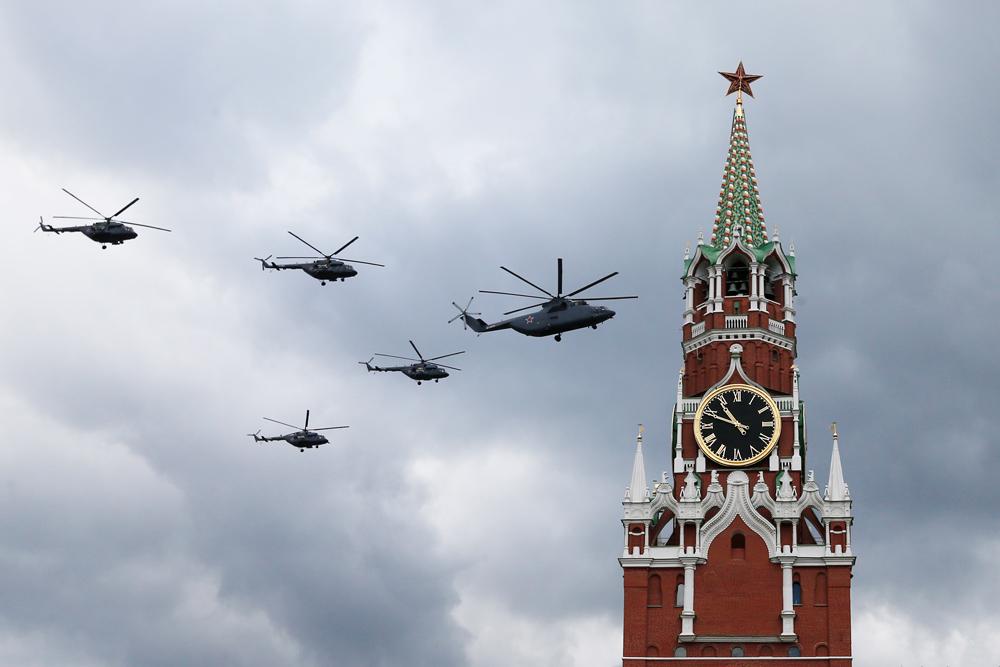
[(708, 652), (680, 652), (796, 591), (654, 592), (766, 651), (820, 595), (794, 652), (738, 278), (737, 652), (679, 596), (652, 652), (821, 649), (738, 546)]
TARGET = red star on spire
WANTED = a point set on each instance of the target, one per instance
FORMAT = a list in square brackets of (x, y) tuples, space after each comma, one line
[(739, 81)]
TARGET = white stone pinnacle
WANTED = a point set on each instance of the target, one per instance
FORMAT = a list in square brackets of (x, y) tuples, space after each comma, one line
[(637, 489), (836, 488)]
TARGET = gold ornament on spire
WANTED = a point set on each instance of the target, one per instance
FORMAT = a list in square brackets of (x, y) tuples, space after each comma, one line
[(739, 82)]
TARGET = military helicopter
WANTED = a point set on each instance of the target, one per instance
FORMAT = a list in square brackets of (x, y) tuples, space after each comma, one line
[(106, 230), (303, 439), (421, 370), (328, 268), (558, 312)]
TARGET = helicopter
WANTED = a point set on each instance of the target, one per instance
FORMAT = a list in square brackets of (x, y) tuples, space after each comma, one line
[(558, 312), (105, 230), (329, 268), (303, 438), (421, 370)]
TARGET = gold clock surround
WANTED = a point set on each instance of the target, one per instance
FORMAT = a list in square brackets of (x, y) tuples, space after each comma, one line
[(772, 443)]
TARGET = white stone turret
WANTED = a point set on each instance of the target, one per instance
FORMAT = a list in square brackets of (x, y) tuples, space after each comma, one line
[(637, 491), (836, 488)]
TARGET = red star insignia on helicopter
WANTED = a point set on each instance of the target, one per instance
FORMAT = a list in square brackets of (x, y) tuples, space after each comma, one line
[(529, 319)]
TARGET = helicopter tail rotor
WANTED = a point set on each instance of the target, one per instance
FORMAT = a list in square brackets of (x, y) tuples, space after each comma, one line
[(255, 436), (464, 313), (368, 364), (263, 262)]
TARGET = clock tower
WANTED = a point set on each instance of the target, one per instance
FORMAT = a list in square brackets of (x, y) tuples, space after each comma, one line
[(735, 555)]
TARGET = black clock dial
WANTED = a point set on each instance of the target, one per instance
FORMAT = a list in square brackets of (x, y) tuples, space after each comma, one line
[(737, 424)]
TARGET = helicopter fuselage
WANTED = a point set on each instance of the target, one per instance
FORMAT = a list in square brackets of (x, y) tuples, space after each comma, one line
[(422, 372), (114, 233), (329, 270), (300, 439), (555, 317)]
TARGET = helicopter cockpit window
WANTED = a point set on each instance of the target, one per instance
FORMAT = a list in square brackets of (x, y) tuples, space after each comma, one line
[(560, 306)]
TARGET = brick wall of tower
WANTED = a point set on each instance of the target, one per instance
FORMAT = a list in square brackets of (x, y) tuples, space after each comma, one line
[(764, 363)]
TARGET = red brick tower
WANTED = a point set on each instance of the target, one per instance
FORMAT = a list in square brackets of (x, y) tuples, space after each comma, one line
[(735, 557)]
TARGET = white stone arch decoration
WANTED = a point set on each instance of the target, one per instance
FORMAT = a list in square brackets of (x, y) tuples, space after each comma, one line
[(738, 504)]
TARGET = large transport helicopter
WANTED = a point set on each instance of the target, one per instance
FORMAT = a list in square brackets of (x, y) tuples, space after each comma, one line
[(558, 312), (421, 371), (324, 268), (304, 438), (104, 230)]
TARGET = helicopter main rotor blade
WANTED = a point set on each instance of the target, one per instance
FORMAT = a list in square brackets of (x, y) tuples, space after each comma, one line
[(446, 355), (115, 215), (396, 356), (282, 423), (356, 261), (341, 248), (329, 428), (417, 351), (308, 244), (310, 257), (596, 282), (306, 427), (609, 298), (162, 229), (559, 271), (489, 291), (522, 278), (103, 217), (450, 367), (517, 310), (76, 217)]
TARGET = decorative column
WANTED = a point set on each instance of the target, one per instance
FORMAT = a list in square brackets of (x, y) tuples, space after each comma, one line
[(687, 616), (787, 606), (679, 424), (789, 307), (755, 290), (796, 445), (689, 300)]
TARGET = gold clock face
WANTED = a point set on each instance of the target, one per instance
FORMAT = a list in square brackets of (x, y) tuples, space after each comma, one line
[(737, 424)]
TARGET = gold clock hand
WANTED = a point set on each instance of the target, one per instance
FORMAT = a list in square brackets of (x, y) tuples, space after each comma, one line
[(741, 427)]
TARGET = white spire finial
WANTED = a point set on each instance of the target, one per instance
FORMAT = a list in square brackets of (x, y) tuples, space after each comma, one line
[(687, 251), (791, 249), (637, 490), (836, 488), (701, 238), (777, 235)]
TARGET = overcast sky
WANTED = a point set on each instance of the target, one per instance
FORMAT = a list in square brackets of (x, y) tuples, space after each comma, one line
[(473, 522)]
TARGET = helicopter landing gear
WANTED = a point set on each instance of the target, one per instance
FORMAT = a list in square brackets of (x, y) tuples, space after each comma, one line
[(558, 337), (104, 247), (419, 383), (593, 326), (435, 380), (322, 282)]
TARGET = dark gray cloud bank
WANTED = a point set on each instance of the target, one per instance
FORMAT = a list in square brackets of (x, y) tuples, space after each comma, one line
[(473, 522)]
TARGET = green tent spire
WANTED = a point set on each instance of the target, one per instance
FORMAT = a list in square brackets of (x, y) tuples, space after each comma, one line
[(739, 198)]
